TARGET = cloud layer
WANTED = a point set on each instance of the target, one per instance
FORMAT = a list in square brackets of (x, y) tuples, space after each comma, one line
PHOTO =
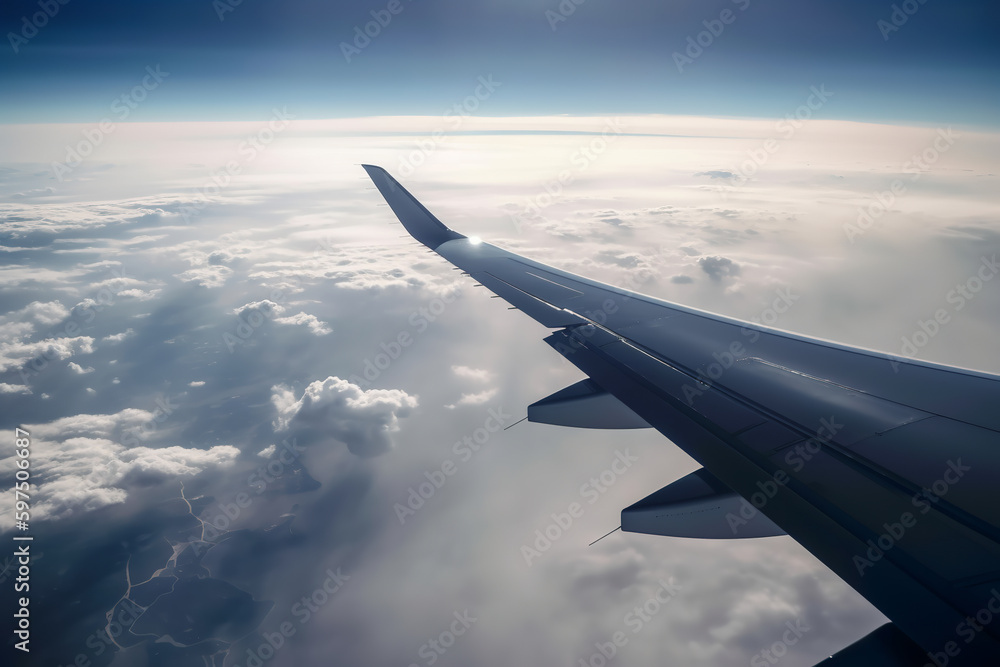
[(266, 345)]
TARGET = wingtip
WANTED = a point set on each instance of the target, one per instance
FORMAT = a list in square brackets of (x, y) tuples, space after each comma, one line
[(418, 221)]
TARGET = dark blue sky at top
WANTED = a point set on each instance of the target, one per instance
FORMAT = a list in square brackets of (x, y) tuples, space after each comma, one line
[(607, 57)]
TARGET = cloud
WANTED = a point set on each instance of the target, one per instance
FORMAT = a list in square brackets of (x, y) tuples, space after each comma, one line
[(174, 461), (221, 257), (6, 388), (20, 323), (207, 276), (369, 268), (15, 330), (265, 306), (81, 464), (119, 337), (726, 175), (78, 369), (14, 355), (681, 279), (316, 326), (335, 409), (269, 309), (56, 219), (138, 294), (476, 374), (42, 312), (474, 399), (718, 268), (196, 383)]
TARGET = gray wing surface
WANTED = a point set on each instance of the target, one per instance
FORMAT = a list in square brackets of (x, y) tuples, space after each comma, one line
[(886, 469)]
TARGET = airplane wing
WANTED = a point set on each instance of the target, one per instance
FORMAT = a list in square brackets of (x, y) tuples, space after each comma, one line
[(886, 469)]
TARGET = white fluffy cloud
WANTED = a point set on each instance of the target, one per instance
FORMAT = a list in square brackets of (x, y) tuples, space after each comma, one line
[(138, 294), (266, 306), (17, 324), (358, 267), (477, 398), (16, 354), (477, 374), (207, 276), (61, 218), (315, 325), (119, 337), (80, 464), (42, 312), (335, 409)]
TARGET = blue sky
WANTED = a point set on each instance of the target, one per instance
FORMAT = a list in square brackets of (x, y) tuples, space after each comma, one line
[(939, 66)]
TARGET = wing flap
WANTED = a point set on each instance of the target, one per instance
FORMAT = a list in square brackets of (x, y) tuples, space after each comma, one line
[(698, 505), (584, 404)]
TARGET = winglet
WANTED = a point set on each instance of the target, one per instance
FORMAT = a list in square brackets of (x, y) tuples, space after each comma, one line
[(418, 221)]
